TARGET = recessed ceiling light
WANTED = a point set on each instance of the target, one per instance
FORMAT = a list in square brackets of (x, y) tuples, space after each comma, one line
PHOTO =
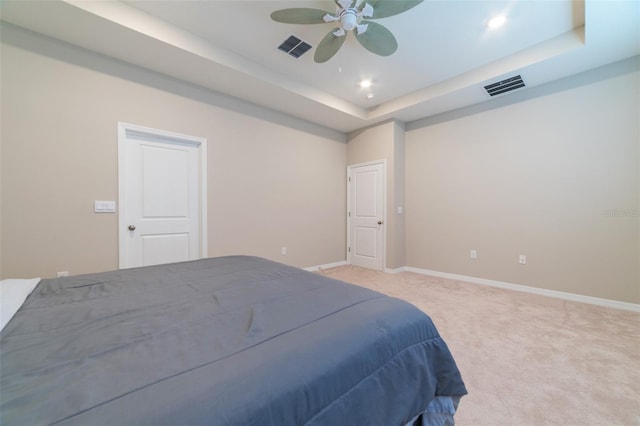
[(370, 96), (496, 22), (365, 84)]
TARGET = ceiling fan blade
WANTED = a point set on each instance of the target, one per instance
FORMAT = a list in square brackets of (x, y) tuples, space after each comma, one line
[(386, 8), (328, 47), (299, 16), (377, 39)]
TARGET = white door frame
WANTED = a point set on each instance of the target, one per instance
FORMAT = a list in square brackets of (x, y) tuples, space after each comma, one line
[(384, 210), (126, 131)]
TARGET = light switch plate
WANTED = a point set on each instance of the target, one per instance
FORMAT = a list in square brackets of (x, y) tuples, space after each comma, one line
[(105, 206)]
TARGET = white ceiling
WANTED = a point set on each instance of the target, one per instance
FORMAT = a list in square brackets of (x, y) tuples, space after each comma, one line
[(446, 53)]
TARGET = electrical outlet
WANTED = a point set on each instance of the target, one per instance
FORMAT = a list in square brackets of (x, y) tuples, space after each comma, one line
[(62, 274), (523, 259), (284, 251), (473, 254)]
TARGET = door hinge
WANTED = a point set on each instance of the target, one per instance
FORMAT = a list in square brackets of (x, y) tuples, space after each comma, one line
[(349, 249), (349, 178), (349, 214)]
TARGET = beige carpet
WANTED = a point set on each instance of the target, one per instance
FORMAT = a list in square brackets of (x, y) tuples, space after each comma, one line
[(526, 359)]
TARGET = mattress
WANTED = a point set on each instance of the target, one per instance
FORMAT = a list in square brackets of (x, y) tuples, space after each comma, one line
[(234, 340)]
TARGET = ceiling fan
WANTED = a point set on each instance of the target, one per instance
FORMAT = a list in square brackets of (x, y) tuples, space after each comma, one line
[(350, 15)]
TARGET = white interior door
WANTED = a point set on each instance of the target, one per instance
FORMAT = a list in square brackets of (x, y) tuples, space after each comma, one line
[(366, 215), (160, 197)]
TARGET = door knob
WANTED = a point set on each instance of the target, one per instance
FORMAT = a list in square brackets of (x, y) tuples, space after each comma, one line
[(379, 222), (132, 227)]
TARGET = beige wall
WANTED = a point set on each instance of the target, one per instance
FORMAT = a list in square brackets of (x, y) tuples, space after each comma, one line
[(273, 181), (540, 177), (385, 142), (399, 197)]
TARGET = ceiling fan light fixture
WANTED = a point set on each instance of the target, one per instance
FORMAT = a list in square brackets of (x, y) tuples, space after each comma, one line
[(349, 19)]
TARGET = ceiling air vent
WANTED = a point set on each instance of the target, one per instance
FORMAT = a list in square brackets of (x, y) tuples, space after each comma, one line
[(504, 86), (294, 46)]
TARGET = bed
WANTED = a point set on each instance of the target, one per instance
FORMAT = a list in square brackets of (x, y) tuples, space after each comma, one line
[(234, 340)]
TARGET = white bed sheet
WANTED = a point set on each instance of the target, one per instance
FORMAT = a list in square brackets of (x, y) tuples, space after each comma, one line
[(13, 293)]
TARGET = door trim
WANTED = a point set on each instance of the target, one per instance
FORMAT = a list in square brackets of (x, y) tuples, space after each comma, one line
[(126, 131), (383, 162)]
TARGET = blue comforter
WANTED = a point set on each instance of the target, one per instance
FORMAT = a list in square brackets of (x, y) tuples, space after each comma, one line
[(225, 341)]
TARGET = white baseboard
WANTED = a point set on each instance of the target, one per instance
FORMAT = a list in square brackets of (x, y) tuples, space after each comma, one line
[(396, 270), (500, 284), (326, 266), (541, 291)]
